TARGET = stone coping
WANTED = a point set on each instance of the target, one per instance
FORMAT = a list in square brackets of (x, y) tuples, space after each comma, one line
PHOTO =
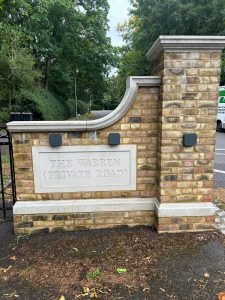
[(114, 205), (195, 209), (132, 85), (83, 206), (185, 42)]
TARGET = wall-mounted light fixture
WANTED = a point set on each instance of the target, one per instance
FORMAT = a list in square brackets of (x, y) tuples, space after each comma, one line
[(189, 139), (113, 139), (55, 140)]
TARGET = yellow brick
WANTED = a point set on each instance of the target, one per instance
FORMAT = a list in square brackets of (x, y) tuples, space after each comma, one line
[(125, 126)]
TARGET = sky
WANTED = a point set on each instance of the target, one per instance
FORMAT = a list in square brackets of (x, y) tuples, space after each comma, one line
[(118, 14)]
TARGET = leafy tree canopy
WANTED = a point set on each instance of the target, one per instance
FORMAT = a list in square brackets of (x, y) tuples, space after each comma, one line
[(151, 18), (55, 38)]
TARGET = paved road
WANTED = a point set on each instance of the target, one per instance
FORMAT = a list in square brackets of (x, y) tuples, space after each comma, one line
[(219, 167)]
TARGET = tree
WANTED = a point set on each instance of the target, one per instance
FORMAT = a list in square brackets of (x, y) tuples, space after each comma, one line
[(62, 36), (18, 78), (16, 67), (151, 18)]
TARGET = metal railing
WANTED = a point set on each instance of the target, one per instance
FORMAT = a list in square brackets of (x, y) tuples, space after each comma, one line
[(7, 173)]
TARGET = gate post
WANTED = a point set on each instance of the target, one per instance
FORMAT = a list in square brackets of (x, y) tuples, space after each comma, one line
[(190, 70)]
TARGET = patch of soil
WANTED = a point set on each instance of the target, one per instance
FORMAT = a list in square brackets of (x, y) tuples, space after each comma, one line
[(83, 265)]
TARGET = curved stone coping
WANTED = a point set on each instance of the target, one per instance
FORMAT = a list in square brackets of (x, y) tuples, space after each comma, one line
[(62, 126), (114, 205), (185, 42)]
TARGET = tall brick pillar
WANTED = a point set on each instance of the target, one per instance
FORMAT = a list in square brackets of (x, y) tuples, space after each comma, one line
[(190, 70)]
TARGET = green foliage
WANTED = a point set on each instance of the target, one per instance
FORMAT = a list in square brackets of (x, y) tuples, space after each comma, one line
[(82, 107), (43, 42), (42, 103), (223, 69), (21, 237), (16, 65), (5, 115), (151, 18), (71, 104), (95, 274), (121, 271), (113, 96), (5, 159)]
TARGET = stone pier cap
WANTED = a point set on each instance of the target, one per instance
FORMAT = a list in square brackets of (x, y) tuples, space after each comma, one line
[(185, 43)]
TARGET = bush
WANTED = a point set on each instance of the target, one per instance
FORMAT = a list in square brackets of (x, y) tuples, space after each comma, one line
[(82, 107), (96, 107), (4, 115), (42, 104)]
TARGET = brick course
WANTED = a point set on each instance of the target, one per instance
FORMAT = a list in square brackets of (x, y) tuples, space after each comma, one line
[(80, 221)]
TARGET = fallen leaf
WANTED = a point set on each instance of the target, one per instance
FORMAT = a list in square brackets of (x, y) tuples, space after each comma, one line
[(5, 270), (121, 271), (221, 296), (13, 257), (102, 292), (11, 295), (93, 294), (62, 298), (206, 275), (86, 291)]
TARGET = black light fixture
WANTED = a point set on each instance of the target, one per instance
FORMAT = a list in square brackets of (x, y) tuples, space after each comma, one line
[(190, 139), (55, 140), (113, 139)]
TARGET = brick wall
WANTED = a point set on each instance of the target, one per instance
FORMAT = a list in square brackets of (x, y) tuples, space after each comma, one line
[(139, 126), (188, 104)]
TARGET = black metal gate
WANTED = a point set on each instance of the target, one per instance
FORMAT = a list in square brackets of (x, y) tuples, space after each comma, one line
[(7, 174)]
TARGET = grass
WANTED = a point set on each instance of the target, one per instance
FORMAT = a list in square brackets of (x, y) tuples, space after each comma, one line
[(5, 159), (6, 167), (21, 237), (94, 274)]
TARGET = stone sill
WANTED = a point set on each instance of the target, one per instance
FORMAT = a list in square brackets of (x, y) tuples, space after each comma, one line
[(114, 205)]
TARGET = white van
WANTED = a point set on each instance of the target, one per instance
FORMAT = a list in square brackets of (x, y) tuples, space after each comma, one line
[(221, 110)]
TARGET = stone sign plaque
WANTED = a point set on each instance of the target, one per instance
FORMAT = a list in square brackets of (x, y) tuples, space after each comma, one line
[(84, 168)]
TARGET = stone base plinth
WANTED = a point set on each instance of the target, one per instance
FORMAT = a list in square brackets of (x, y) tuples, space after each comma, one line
[(185, 224), (80, 221), (185, 217), (72, 215)]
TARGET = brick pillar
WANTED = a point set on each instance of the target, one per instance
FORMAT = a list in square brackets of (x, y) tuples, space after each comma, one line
[(190, 69)]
